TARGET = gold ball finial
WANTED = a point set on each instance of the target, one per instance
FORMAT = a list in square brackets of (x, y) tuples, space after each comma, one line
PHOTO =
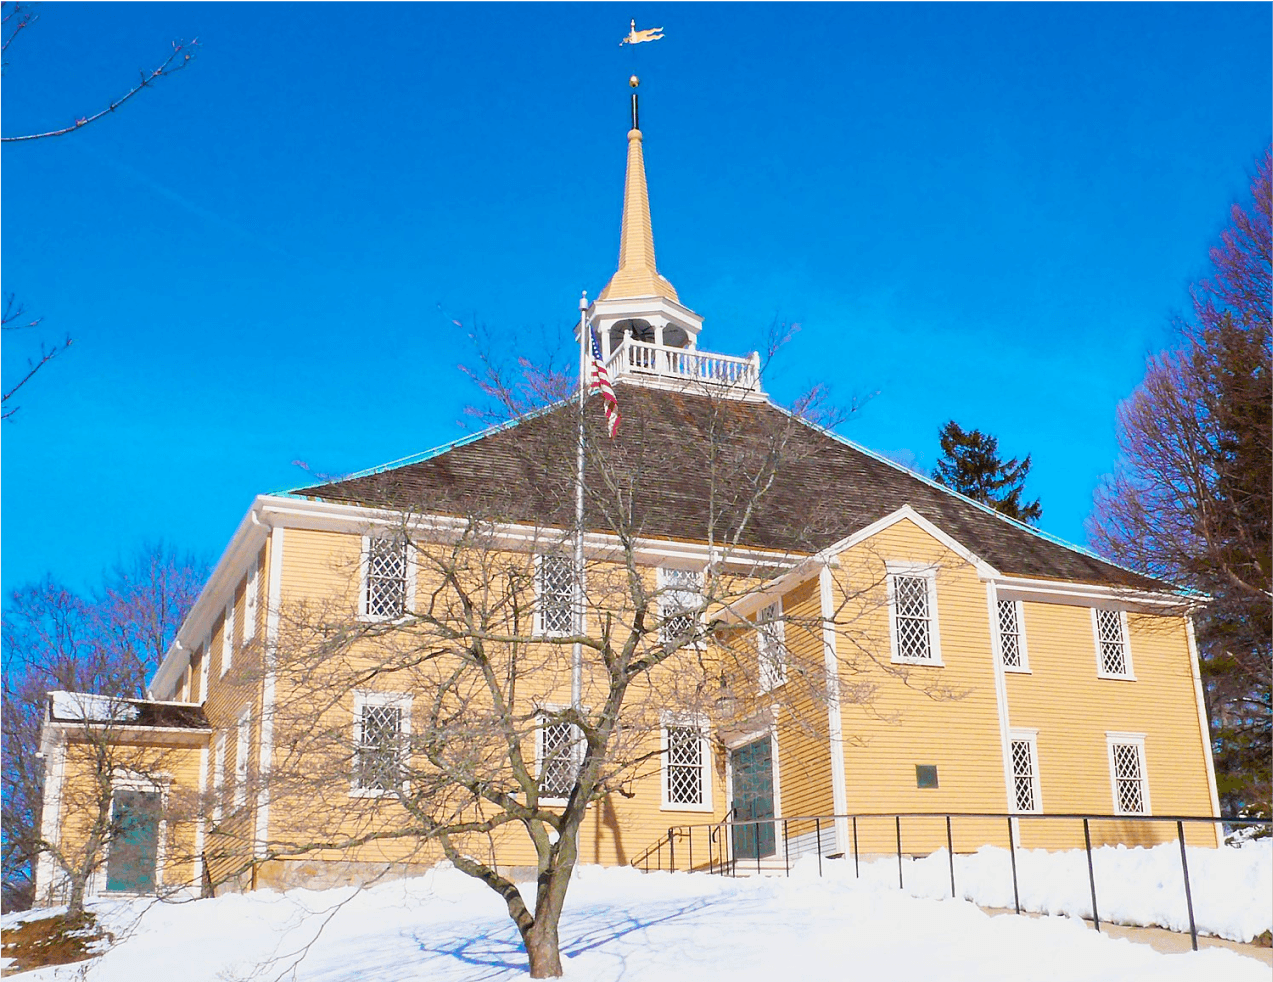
[(634, 81)]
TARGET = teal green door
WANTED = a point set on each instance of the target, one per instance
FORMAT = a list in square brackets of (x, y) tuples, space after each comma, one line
[(134, 845), (752, 770)]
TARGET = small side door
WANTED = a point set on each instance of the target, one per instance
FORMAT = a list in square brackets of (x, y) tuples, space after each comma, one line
[(752, 769), (134, 844)]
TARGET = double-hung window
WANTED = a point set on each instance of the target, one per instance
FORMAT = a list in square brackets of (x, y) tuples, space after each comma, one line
[(912, 604), (382, 728), (251, 593), (555, 596), (1012, 636), (385, 580), (218, 779), (1024, 747), (771, 647), (686, 770), (559, 752), (242, 748), (1127, 773), (680, 601), (1113, 654), (227, 638)]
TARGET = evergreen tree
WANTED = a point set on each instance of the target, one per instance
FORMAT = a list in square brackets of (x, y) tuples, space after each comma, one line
[(970, 464)]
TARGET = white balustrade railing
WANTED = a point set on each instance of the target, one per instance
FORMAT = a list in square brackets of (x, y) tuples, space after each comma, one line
[(634, 357)]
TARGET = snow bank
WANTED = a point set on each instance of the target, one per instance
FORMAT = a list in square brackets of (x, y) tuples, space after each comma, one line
[(620, 924), (1232, 887)]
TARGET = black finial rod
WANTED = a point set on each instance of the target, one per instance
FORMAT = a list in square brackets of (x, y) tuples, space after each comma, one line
[(636, 121)]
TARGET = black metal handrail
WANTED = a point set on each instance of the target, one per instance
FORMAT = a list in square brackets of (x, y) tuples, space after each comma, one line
[(723, 858)]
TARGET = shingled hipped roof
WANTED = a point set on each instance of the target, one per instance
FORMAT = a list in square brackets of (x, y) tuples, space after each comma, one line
[(669, 446)]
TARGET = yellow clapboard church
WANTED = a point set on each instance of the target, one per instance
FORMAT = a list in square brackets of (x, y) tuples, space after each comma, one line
[(413, 662)]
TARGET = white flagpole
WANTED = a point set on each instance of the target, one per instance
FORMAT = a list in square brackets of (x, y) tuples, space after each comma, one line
[(576, 664)]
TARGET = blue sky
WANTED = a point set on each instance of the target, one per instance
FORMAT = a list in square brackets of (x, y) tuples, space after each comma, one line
[(986, 213)]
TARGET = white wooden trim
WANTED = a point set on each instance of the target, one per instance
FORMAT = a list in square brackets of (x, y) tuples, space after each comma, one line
[(835, 720), (251, 603), (265, 756), (1087, 594), (1137, 740), (927, 572), (705, 749), (1204, 725), (202, 820), (1130, 674), (1001, 697), (53, 746), (206, 648)]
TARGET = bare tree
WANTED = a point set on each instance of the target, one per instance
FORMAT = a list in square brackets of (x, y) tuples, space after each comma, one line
[(512, 690), (17, 17), (1190, 499), (107, 644)]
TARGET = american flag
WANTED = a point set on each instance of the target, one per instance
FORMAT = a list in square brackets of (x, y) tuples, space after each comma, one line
[(599, 381)]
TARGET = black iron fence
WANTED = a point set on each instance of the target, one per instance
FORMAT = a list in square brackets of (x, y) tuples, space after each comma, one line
[(771, 845)]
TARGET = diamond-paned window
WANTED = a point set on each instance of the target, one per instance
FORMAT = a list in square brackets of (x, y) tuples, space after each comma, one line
[(1010, 634), (684, 765), (380, 754), (1112, 641), (912, 618), (558, 759), (771, 647), (1129, 778), (555, 595), (1024, 776), (680, 601), (385, 595)]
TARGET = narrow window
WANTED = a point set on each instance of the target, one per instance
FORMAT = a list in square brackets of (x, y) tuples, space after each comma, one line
[(227, 638), (1111, 640), (385, 578), (925, 775), (913, 622), (684, 766), (381, 729), (558, 759), (1011, 635), (1127, 767), (771, 647), (218, 779), (242, 749), (680, 600), (250, 595), (1025, 774), (554, 596)]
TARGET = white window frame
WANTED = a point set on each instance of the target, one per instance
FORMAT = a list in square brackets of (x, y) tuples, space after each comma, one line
[(673, 598), (576, 748), (771, 647), (364, 699), (928, 573), (1136, 740), (127, 780), (251, 597), (1130, 673), (409, 571), (218, 779), (242, 756), (1031, 739), (1023, 652), (227, 638), (671, 721), (577, 613)]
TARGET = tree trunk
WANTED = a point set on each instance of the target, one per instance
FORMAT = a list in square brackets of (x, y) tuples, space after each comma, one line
[(542, 949), (75, 902)]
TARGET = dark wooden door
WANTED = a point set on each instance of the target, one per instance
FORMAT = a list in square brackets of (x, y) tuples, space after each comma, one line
[(752, 768), (134, 846)]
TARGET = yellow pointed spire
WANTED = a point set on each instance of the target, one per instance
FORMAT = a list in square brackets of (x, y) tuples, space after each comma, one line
[(637, 275)]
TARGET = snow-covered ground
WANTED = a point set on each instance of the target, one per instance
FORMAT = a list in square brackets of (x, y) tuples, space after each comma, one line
[(620, 924)]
